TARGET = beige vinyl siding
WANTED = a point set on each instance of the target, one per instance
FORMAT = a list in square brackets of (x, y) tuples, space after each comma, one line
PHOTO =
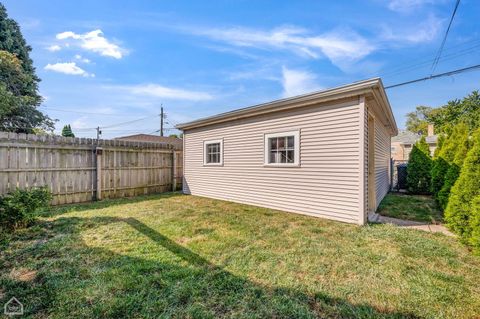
[(326, 184), (382, 161)]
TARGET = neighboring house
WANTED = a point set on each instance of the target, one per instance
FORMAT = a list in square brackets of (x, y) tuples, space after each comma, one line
[(176, 142), (322, 154), (402, 143)]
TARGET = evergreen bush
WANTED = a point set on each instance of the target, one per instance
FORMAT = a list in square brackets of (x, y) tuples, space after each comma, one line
[(439, 169), (475, 225), (418, 169), (460, 204), (454, 152)]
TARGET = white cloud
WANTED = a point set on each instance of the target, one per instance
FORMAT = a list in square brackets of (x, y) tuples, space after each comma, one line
[(54, 48), (296, 82), (160, 91), (338, 46), (82, 59), (68, 68), (423, 32), (408, 5), (94, 41), (80, 123)]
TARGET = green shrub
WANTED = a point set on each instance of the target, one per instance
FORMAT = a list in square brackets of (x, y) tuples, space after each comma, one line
[(475, 225), (20, 208), (440, 141), (439, 170), (456, 143), (448, 161), (418, 169), (465, 189), (450, 178)]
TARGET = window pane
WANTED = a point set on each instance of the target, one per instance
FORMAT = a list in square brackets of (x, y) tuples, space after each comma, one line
[(272, 158), (290, 156), (273, 143), (291, 142), (283, 157), (281, 143), (213, 153)]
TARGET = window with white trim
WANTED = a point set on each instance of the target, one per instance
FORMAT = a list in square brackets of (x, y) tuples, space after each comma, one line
[(282, 149), (213, 152)]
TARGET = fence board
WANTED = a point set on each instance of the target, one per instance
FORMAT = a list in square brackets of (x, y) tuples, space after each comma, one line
[(67, 166)]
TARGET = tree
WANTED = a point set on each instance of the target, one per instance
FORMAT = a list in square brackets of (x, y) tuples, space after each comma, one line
[(417, 121), (439, 169), (67, 131), (460, 205), (173, 135), (454, 151), (474, 219), (457, 111), (11, 40), (19, 97), (418, 169)]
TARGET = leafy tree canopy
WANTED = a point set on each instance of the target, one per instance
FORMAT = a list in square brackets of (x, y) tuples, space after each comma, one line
[(444, 118), (466, 110), (19, 97), (18, 107), (417, 121)]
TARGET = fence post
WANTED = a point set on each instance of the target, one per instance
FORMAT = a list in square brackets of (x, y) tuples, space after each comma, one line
[(98, 153), (174, 173)]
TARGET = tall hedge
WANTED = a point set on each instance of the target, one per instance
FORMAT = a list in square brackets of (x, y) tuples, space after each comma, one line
[(460, 204), (475, 225), (454, 152), (418, 169), (451, 176), (439, 169)]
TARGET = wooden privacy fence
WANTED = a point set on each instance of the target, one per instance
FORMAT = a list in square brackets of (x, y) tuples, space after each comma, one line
[(84, 169)]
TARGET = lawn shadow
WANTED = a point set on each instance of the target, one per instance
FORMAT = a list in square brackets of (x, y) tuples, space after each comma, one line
[(84, 281)]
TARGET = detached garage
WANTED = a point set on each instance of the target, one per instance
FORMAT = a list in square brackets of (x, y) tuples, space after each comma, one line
[(324, 154)]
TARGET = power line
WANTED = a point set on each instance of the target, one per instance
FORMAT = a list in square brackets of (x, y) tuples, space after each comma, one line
[(439, 53), (443, 58), (128, 122), (458, 71), (80, 112)]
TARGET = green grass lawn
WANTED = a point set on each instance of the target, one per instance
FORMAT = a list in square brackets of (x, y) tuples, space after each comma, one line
[(175, 256), (420, 208)]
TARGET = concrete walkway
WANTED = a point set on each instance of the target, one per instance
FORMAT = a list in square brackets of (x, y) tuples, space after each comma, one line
[(376, 218)]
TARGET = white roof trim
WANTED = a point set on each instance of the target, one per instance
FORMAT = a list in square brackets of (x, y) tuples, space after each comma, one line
[(371, 86)]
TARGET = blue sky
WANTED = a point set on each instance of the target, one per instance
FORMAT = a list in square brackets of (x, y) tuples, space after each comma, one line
[(108, 62)]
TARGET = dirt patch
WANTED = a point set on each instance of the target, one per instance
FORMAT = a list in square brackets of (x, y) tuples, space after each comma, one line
[(23, 274)]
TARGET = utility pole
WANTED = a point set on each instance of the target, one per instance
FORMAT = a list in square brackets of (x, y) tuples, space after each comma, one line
[(161, 121), (98, 132)]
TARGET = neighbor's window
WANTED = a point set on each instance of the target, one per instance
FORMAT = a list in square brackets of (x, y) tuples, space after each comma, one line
[(282, 148), (213, 152)]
